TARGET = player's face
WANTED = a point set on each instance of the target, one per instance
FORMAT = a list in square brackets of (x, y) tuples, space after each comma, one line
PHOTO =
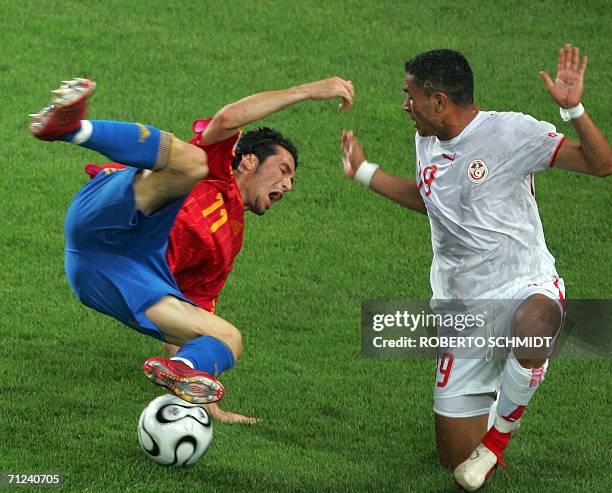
[(270, 181), (420, 108)]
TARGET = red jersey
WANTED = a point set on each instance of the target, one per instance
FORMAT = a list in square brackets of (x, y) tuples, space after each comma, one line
[(207, 233)]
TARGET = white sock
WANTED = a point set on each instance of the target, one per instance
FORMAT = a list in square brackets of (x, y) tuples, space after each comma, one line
[(184, 361), (492, 413), (517, 388), (83, 134)]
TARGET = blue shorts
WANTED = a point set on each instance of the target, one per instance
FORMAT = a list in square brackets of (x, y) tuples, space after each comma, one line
[(116, 255)]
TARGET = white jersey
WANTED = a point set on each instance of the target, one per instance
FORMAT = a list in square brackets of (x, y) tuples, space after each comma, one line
[(478, 188)]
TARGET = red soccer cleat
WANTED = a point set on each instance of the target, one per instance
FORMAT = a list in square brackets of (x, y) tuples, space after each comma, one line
[(190, 385), (65, 112)]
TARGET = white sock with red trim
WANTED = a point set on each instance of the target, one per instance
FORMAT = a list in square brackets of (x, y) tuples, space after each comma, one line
[(517, 388)]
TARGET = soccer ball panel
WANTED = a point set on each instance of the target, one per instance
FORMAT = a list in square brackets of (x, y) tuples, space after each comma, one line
[(186, 449), (173, 432)]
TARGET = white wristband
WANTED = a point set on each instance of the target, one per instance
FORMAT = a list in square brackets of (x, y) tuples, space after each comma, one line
[(571, 113), (365, 172)]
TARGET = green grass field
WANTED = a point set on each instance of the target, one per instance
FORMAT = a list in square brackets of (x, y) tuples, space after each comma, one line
[(71, 385)]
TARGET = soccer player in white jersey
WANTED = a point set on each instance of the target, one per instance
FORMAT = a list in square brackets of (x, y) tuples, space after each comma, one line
[(474, 181)]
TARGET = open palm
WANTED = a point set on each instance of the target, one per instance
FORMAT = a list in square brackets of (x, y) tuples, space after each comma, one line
[(568, 86), (353, 154)]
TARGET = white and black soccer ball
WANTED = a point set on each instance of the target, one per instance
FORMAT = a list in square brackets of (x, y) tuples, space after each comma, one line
[(173, 432)]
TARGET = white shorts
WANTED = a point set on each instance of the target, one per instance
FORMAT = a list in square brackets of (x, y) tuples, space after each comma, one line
[(457, 377)]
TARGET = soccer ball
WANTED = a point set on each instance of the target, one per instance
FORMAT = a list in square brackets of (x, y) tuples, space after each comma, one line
[(173, 432)]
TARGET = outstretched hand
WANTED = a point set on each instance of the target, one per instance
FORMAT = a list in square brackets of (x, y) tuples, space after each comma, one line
[(353, 153), (568, 86), (227, 417), (334, 87)]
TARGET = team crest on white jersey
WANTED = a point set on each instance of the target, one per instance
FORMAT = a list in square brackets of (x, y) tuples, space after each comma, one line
[(477, 171)]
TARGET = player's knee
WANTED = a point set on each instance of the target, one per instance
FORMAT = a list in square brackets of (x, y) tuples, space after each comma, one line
[(233, 339), (228, 335), (190, 160), (537, 319), (198, 169)]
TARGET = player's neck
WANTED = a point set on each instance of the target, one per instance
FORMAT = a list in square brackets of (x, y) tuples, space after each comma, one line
[(457, 122), (240, 181)]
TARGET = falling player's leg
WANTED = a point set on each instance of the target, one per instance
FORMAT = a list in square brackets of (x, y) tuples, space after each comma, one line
[(540, 314), (115, 257), (170, 349), (207, 343), (175, 166), (213, 409)]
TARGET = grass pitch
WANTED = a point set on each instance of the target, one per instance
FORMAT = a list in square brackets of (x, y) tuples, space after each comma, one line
[(71, 386)]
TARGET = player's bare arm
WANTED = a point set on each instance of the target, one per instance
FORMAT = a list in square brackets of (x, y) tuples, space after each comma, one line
[(400, 190), (274, 173), (230, 118), (592, 155)]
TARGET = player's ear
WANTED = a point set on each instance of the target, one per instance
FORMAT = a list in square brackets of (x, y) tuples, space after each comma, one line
[(441, 101), (248, 162)]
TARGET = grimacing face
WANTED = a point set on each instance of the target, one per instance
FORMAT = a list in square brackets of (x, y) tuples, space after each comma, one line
[(269, 181), (420, 108)]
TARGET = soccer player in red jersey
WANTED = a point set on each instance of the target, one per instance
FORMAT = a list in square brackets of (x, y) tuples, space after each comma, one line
[(207, 234), (247, 171)]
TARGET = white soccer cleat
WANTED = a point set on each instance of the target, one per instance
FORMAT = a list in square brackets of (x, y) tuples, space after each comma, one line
[(472, 473)]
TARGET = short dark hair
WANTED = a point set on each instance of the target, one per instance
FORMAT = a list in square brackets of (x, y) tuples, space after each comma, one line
[(446, 71), (262, 142)]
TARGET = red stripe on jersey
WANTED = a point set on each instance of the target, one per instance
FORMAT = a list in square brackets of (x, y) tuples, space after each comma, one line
[(561, 297), (557, 149)]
